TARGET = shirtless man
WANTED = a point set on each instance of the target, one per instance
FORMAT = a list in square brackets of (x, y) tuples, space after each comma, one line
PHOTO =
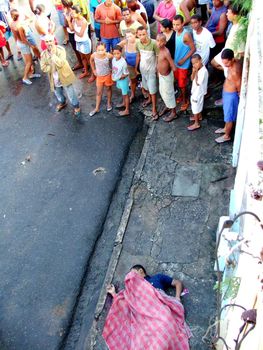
[(22, 36), (187, 10), (165, 69), (231, 90)]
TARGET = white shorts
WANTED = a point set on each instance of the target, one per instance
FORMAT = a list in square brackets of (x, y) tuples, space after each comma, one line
[(197, 104), (166, 88), (149, 82)]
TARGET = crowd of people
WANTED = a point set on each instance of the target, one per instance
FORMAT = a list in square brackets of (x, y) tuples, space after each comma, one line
[(164, 44)]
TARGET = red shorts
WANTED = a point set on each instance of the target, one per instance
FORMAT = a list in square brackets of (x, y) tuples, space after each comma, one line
[(105, 80), (181, 76)]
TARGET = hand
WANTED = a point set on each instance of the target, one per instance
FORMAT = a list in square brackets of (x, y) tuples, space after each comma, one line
[(111, 290), (136, 72), (181, 62), (108, 21), (95, 73)]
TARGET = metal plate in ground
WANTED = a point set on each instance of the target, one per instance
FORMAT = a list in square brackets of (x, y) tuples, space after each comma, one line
[(187, 181)]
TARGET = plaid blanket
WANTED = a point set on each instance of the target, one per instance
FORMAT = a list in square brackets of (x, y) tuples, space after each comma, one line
[(144, 318)]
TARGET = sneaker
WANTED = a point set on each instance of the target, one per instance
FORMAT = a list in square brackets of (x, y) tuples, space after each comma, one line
[(26, 81)]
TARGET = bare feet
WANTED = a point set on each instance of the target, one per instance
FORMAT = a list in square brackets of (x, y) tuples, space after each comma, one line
[(83, 75), (120, 105), (155, 116), (124, 113), (147, 103), (193, 127), (77, 66), (170, 117)]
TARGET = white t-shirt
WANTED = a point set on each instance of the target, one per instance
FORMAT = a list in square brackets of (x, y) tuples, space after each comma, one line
[(202, 79), (119, 68), (203, 43)]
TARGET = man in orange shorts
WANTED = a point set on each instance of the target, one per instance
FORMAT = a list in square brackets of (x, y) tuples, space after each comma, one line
[(185, 48)]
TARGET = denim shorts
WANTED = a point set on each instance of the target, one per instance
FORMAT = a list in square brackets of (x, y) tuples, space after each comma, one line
[(123, 84), (61, 18), (23, 48), (83, 47)]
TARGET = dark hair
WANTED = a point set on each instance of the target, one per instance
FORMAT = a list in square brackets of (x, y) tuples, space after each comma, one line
[(126, 9), (197, 17), (166, 23), (196, 56), (118, 48), (227, 54), (236, 9), (138, 267), (161, 36), (76, 8), (67, 3), (179, 18), (140, 28), (39, 9)]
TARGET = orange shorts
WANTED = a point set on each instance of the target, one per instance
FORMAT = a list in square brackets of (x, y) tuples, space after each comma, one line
[(104, 80), (181, 76)]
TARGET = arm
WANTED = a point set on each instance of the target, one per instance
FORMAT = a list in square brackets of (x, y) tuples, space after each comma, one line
[(45, 65), (188, 40), (58, 57), (23, 36), (221, 26), (171, 61), (156, 14), (31, 4), (179, 288), (186, 12), (92, 64), (138, 57), (141, 20)]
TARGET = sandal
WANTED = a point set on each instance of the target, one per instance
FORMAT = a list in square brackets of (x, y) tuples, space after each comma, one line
[(193, 127), (109, 108), (92, 113), (60, 106), (221, 139), (220, 131)]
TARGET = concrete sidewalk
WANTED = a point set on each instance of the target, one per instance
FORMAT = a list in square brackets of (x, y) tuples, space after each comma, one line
[(181, 187)]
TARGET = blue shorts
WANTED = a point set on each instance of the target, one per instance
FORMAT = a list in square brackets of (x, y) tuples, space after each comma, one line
[(230, 106), (83, 47), (61, 18), (123, 84), (23, 48)]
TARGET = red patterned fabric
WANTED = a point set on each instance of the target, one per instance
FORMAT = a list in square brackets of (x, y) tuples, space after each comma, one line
[(144, 318)]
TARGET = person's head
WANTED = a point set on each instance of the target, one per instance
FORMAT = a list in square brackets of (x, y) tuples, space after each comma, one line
[(108, 3), (178, 23), (76, 11), (142, 34), (196, 60), (130, 36), (40, 9), (233, 13), (166, 25), (117, 51), (67, 3), (196, 22), (49, 41), (140, 270), (227, 3), (101, 48), (218, 3), (227, 56), (14, 14), (126, 14), (132, 5), (167, 1), (161, 40)]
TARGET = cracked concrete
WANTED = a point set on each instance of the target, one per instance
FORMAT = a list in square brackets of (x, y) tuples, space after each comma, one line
[(175, 234)]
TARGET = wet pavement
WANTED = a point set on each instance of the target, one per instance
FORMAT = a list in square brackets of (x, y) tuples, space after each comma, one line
[(58, 177)]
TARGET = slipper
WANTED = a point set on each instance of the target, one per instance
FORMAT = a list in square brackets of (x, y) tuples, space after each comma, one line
[(221, 139), (184, 107), (193, 127), (26, 81), (220, 131), (109, 109), (60, 106), (92, 113), (146, 103), (35, 75)]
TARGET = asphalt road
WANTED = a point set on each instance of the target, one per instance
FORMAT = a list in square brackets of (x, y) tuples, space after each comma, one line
[(52, 206)]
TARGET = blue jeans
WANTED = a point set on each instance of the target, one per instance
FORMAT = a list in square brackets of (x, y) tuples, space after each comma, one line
[(73, 99), (110, 43)]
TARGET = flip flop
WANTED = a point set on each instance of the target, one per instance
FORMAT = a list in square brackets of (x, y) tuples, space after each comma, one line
[(169, 119), (109, 109), (92, 113), (221, 139), (155, 116), (220, 131), (193, 128)]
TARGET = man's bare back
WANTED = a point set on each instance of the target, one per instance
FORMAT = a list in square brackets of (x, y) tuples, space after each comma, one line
[(163, 64)]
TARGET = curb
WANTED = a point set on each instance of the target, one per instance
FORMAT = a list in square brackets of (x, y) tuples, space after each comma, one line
[(119, 238)]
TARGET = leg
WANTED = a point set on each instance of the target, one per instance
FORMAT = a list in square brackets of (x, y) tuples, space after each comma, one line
[(72, 96), (155, 115), (228, 129), (28, 66), (8, 49), (126, 103), (59, 93), (196, 124), (65, 35), (3, 61), (85, 65), (171, 116), (98, 99), (109, 96), (133, 89)]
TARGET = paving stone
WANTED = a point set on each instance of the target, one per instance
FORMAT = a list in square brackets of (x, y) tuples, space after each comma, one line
[(187, 181)]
